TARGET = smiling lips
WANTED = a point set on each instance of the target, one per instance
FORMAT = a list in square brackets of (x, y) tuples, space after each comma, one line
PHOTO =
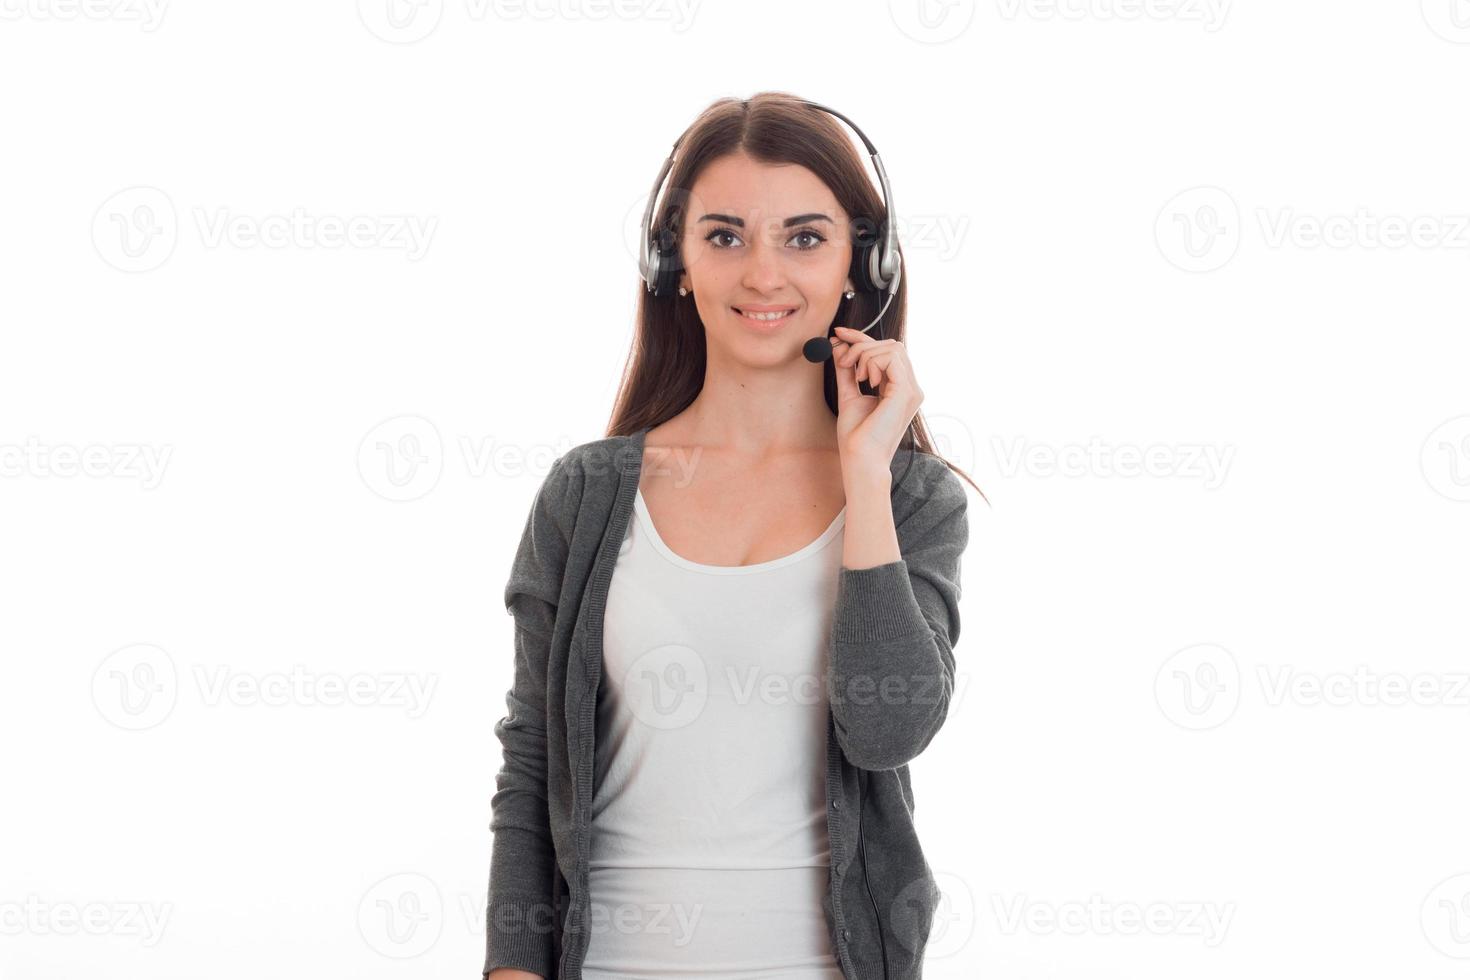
[(764, 314)]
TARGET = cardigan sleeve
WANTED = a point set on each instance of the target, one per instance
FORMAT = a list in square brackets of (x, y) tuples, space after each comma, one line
[(519, 919), (891, 662)]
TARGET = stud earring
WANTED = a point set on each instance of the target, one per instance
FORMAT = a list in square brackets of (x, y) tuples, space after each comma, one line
[(849, 294), (683, 291)]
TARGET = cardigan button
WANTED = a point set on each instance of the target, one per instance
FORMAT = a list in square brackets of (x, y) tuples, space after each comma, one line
[(846, 934), (837, 804)]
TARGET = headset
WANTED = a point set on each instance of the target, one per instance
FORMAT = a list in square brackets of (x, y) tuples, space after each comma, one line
[(876, 266)]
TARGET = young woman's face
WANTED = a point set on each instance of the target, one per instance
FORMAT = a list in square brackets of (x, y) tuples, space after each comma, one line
[(763, 237)]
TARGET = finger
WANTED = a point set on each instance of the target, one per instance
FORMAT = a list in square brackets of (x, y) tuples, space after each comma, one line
[(856, 340), (847, 386), (872, 363), (870, 346)]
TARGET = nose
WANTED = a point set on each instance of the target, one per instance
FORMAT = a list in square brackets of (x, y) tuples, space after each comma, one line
[(765, 270)]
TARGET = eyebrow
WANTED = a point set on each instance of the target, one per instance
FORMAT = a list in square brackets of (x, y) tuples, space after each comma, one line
[(738, 223)]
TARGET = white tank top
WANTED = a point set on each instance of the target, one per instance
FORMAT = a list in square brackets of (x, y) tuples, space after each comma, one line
[(709, 849)]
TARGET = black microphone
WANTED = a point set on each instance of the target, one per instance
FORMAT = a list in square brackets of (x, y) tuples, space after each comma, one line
[(819, 349)]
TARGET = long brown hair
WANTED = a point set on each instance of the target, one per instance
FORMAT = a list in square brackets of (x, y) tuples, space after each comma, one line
[(665, 367)]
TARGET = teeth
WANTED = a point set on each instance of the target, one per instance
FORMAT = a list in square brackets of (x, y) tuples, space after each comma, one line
[(766, 316)]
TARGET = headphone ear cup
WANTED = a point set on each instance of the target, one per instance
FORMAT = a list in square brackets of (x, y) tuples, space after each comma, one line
[(865, 253), (666, 279)]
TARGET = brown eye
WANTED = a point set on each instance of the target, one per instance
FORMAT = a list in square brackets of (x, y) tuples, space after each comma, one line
[(808, 232)]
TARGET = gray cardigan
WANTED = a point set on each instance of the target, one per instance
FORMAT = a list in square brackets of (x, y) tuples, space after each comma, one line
[(889, 680)]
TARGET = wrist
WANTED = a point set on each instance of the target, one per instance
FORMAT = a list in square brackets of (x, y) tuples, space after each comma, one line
[(866, 476)]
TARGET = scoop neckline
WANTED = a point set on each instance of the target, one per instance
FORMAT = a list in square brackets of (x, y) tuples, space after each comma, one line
[(821, 540)]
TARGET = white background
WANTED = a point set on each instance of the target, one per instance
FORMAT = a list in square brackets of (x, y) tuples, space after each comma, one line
[(1225, 694)]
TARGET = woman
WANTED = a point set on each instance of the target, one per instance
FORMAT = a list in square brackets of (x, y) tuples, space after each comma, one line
[(735, 614)]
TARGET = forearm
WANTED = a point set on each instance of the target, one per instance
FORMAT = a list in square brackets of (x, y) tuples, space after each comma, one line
[(891, 663)]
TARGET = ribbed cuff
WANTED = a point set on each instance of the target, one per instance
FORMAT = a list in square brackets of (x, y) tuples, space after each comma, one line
[(877, 604), (519, 933)]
